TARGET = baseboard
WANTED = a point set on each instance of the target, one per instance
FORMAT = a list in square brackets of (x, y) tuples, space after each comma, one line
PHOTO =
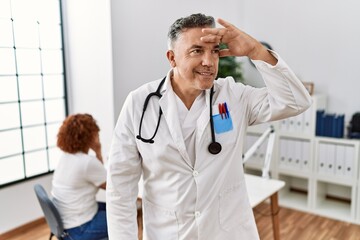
[(23, 228)]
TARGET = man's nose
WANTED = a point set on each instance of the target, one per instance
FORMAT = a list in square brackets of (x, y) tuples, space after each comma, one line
[(208, 59)]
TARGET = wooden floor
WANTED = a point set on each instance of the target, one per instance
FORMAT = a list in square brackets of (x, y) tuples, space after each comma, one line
[(294, 225)]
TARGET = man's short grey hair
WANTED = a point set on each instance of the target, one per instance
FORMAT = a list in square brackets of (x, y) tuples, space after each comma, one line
[(197, 20)]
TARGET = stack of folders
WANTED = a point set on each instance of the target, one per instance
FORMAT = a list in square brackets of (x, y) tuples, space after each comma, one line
[(294, 154), (301, 123), (329, 124), (336, 159)]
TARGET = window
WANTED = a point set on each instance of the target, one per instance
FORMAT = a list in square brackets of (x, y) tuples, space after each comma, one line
[(32, 88)]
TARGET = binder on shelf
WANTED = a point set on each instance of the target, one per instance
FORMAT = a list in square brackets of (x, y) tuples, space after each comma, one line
[(297, 155), (299, 122), (349, 160), (292, 124), (330, 159), (320, 122), (305, 157), (307, 120), (340, 123), (329, 125), (329, 122), (340, 160), (284, 124), (322, 158), (283, 150), (290, 153)]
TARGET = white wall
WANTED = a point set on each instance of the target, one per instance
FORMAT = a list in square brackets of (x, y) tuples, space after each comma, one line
[(89, 63), (89, 68), (139, 33), (318, 39)]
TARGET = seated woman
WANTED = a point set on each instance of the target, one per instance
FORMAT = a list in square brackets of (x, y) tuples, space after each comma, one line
[(78, 178)]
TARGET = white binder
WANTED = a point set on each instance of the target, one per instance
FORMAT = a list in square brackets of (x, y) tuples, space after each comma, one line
[(283, 151), (299, 123), (340, 161), (292, 124), (284, 125), (290, 154), (297, 155), (349, 160), (322, 158), (307, 120), (305, 157), (330, 159)]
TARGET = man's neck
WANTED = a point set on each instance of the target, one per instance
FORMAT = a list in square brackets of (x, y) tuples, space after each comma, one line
[(187, 96)]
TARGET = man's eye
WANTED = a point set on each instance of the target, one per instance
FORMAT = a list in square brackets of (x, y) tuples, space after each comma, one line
[(196, 51), (216, 51)]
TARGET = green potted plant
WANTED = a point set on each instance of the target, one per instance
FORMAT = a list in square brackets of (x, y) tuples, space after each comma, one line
[(229, 66)]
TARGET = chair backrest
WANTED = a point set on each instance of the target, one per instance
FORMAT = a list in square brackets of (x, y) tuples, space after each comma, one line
[(52, 215)]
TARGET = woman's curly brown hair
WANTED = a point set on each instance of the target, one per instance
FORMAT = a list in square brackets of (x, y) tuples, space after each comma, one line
[(76, 133)]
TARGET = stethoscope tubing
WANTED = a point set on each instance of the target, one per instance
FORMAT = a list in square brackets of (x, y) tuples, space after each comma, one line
[(214, 147)]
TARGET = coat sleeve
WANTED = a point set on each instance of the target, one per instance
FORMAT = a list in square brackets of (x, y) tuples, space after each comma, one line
[(124, 171), (284, 95)]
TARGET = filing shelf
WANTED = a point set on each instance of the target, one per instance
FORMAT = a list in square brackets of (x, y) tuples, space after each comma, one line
[(333, 191), (295, 194)]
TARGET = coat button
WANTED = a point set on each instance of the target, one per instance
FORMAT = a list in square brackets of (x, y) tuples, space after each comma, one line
[(195, 173), (197, 214)]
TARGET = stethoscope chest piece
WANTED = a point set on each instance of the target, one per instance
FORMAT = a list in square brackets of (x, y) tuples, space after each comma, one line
[(214, 147)]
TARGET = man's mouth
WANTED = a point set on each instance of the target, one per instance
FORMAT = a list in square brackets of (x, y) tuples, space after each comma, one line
[(206, 73)]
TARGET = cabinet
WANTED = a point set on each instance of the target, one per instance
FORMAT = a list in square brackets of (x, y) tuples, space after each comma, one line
[(321, 173), (336, 178)]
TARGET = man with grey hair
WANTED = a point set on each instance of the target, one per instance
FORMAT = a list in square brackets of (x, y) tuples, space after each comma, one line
[(184, 134)]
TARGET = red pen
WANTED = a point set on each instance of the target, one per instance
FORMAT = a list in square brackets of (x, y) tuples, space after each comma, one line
[(224, 110), (220, 110)]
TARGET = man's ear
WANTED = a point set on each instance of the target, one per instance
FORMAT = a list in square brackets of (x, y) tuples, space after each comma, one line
[(171, 57)]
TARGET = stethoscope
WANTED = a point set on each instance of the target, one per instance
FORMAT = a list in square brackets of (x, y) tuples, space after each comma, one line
[(214, 147)]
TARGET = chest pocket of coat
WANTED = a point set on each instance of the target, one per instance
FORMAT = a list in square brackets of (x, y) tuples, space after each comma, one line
[(234, 207), (227, 134), (160, 223)]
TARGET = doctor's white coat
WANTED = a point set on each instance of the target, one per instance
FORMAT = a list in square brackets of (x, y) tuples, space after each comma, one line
[(208, 200)]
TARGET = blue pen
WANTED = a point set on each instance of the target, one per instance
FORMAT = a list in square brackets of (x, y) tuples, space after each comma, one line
[(227, 110)]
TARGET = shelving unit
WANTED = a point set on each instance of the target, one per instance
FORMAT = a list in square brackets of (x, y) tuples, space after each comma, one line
[(296, 192), (321, 173), (336, 178), (335, 200)]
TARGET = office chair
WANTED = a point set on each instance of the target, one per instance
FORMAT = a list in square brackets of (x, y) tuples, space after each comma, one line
[(52, 216)]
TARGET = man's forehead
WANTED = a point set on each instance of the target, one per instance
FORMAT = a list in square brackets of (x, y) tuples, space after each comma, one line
[(191, 38)]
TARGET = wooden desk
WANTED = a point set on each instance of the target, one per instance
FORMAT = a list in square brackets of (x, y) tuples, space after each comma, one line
[(260, 189)]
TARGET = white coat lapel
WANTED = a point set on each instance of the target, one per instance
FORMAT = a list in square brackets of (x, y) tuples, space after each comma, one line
[(168, 106), (204, 118)]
